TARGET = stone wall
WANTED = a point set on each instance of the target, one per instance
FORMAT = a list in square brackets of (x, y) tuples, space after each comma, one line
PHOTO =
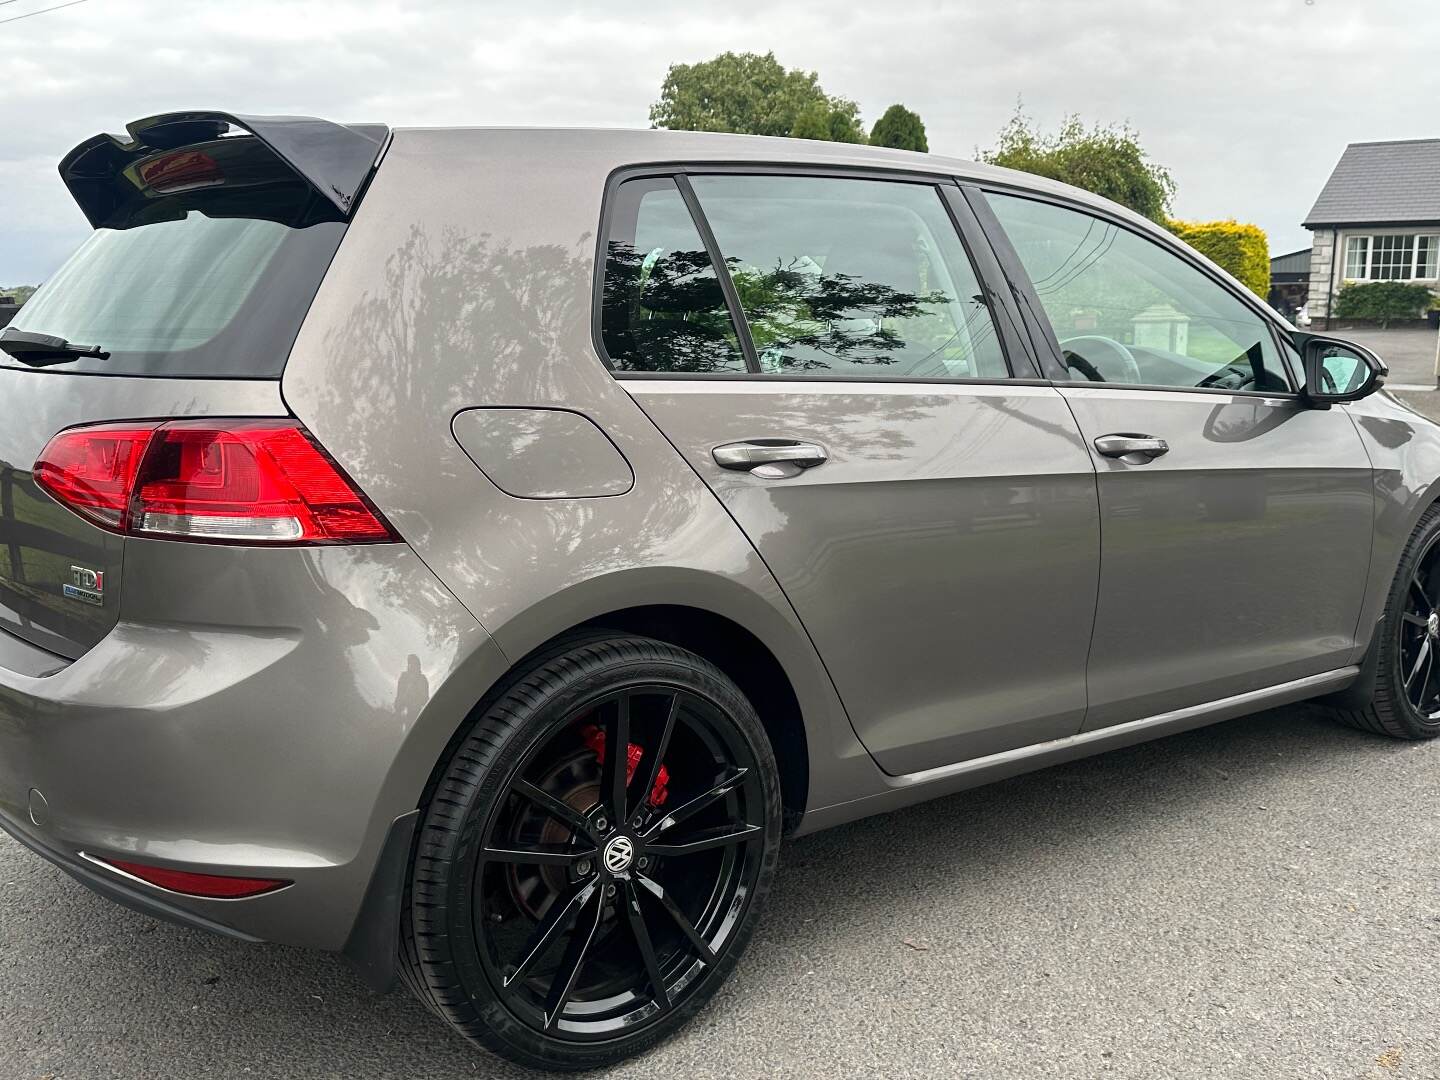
[(1322, 263)]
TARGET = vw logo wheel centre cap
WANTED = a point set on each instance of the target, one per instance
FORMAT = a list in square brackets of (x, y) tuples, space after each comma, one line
[(619, 854)]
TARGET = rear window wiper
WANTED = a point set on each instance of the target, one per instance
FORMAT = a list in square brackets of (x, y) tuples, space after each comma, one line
[(45, 350)]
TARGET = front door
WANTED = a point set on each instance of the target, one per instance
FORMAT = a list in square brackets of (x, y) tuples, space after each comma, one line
[(932, 519), (1232, 515)]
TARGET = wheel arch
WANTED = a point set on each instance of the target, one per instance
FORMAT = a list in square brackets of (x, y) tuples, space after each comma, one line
[(725, 642), (749, 663), (742, 623), (738, 651)]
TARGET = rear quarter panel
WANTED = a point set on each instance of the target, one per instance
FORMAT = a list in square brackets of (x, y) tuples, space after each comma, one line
[(465, 281)]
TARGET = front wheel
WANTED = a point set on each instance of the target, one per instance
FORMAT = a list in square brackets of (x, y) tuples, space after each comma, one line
[(593, 856), (1405, 700)]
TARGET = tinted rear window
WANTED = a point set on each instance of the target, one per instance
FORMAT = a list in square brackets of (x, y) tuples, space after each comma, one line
[(208, 276)]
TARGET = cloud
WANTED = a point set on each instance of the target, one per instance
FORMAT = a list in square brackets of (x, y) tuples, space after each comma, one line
[(1248, 102)]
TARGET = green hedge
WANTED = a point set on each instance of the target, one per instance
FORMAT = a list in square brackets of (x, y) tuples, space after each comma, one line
[(1242, 250), (1382, 300)]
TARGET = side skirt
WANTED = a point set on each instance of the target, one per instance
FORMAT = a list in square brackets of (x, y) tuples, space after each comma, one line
[(910, 788)]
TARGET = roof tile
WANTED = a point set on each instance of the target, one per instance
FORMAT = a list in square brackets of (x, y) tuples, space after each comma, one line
[(1378, 182)]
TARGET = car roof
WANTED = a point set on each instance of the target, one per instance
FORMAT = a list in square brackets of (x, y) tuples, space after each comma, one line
[(654, 146), (620, 148)]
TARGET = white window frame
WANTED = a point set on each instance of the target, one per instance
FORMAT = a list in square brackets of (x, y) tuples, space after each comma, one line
[(1366, 241), (1362, 242)]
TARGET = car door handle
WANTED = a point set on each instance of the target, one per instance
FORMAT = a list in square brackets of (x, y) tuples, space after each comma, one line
[(1139, 447), (772, 459)]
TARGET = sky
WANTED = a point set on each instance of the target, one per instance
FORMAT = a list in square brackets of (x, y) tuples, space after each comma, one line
[(1248, 103)]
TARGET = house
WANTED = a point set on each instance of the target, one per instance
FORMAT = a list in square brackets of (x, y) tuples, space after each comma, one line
[(1289, 281), (1377, 219)]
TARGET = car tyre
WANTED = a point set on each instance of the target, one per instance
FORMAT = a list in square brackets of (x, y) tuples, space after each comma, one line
[(1404, 702), (654, 874)]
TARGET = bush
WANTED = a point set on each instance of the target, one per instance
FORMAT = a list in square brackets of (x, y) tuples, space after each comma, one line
[(1240, 250), (1382, 301)]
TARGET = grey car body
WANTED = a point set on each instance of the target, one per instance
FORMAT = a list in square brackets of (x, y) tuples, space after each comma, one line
[(964, 590)]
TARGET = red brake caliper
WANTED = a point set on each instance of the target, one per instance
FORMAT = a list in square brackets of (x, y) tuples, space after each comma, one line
[(595, 740)]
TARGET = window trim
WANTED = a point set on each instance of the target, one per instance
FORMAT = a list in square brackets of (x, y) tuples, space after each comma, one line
[(1020, 360), (1039, 322), (1413, 233), (1357, 239), (722, 275), (597, 288)]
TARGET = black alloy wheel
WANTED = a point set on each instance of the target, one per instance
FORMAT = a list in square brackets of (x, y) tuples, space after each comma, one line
[(591, 863), (1400, 680), (1419, 635)]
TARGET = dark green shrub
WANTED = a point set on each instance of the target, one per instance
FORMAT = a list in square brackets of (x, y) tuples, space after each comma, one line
[(1382, 301)]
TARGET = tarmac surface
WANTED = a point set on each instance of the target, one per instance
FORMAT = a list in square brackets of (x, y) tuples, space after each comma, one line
[(1255, 899)]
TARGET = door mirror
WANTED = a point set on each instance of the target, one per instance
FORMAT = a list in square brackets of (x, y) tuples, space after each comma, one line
[(1337, 370)]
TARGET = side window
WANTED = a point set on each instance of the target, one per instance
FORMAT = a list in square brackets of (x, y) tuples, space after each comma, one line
[(662, 307), (1128, 311), (851, 277)]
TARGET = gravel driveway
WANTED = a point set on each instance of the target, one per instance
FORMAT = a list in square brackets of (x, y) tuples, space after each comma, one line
[(1257, 899)]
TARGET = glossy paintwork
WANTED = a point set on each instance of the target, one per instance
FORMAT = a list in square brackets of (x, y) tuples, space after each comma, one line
[(276, 710), (542, 453), (40, 541), (334, 159), (483, 299), (901, 791), (1235, 561), (1404, 448), (943, 559), (263, 711)]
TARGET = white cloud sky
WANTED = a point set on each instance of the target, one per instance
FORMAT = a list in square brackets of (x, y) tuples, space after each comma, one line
[(1248, 102)]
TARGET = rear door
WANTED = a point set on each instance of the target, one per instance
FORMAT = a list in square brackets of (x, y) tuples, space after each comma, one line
[(1236, 521), (931, 516)]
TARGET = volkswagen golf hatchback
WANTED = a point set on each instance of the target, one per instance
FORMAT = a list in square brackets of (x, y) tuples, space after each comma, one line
[(471, 551)]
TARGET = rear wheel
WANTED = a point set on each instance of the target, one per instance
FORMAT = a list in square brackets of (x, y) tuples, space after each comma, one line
[(593, 856), (1405, 702)]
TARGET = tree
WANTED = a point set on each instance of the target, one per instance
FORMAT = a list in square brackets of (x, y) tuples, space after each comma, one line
[(813, 122), (753, 95), (901, 129), (1106, 160), (844, 121), (828, 123)]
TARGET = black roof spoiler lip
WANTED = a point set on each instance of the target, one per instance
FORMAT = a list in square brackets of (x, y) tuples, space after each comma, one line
[(335, 159)]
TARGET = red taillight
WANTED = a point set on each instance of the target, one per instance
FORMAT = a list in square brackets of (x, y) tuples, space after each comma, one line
[(92, 470), (238, 481), (210, 886)]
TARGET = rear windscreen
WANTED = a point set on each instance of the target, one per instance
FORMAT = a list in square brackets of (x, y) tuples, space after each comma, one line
[(205, 269)]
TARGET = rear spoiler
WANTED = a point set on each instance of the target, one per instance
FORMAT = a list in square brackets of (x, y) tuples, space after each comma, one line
[(334, 159)]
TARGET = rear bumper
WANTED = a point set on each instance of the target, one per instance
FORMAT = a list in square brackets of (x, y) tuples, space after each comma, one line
[(113, 887), (255, 713)]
